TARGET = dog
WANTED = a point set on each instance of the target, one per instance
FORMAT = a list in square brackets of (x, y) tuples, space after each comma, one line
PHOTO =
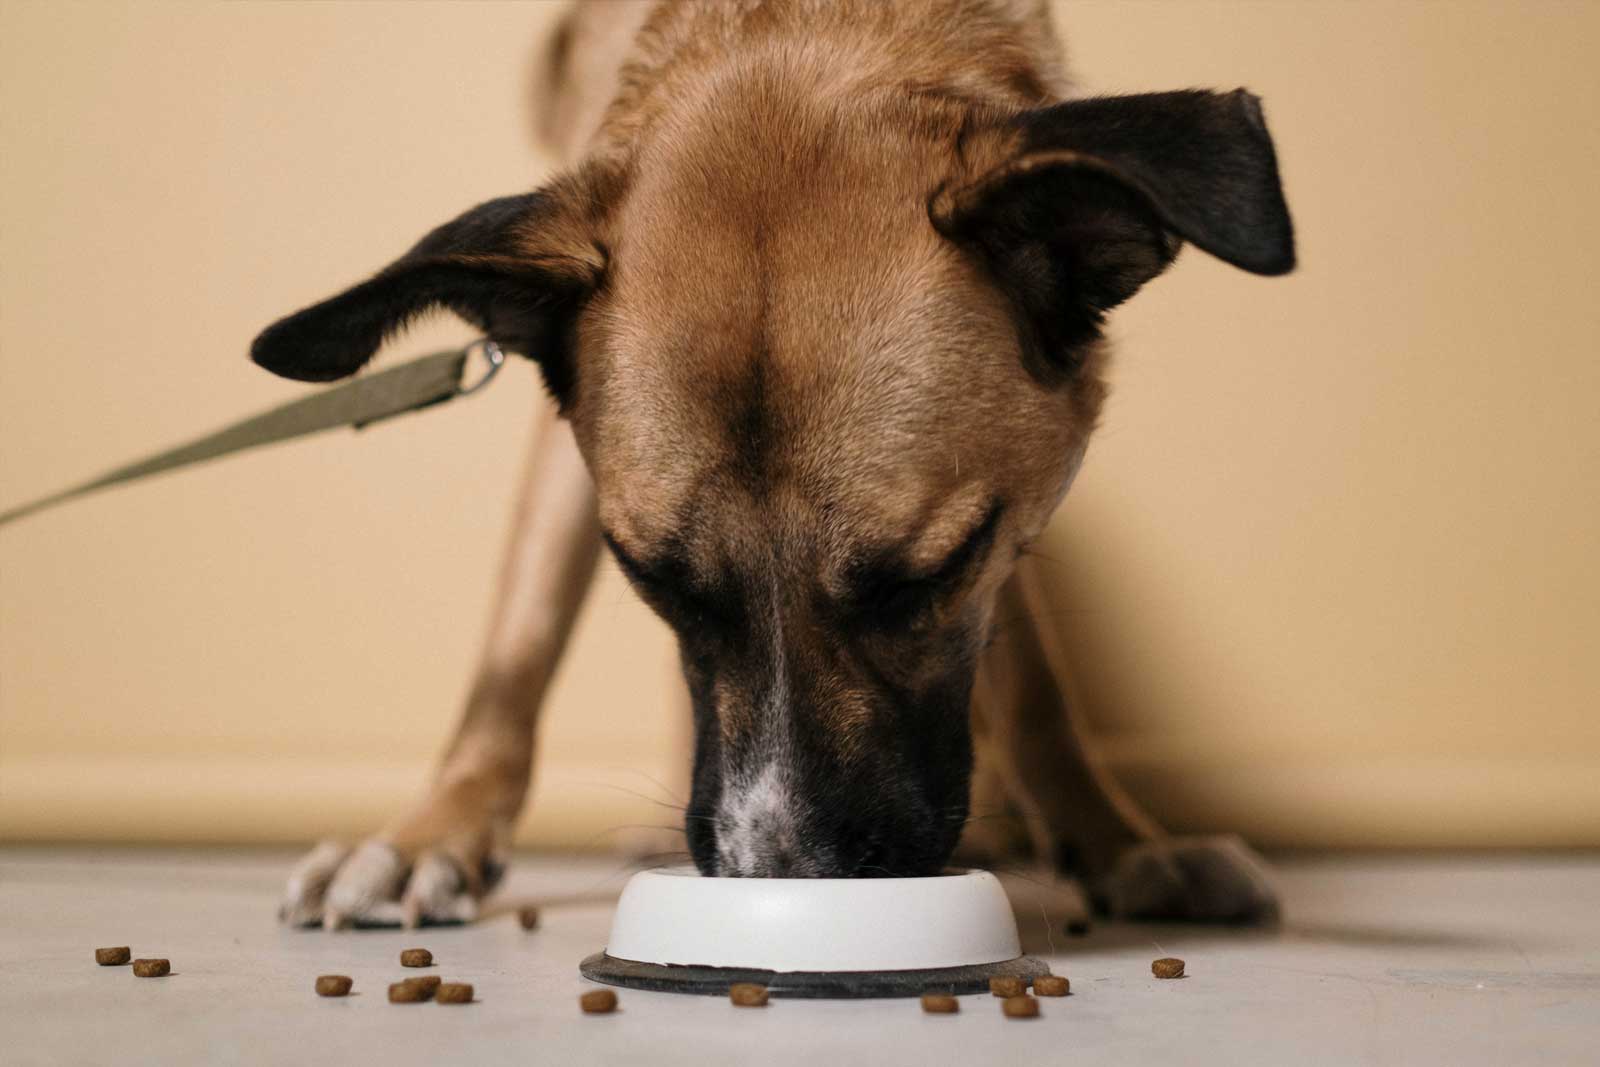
[(819, 301)]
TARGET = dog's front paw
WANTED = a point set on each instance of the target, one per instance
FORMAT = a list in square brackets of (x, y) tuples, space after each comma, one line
[(375, 885), (1194, 879)]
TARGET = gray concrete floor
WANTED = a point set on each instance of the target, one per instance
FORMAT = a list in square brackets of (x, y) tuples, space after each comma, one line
[(1382, 960)]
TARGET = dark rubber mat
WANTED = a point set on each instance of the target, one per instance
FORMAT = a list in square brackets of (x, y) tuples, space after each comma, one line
[(714, 981)]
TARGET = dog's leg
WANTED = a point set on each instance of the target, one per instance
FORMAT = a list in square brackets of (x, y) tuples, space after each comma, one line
[(438, 859), (1074, 811)]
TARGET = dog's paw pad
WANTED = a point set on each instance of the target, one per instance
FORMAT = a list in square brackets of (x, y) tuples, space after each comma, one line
[(1197, 879)]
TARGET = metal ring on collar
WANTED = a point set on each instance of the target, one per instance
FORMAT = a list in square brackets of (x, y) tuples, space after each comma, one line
[(492, 354)]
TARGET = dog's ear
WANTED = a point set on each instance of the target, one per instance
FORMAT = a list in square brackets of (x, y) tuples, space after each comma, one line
[(1074, 207), (518, 268)]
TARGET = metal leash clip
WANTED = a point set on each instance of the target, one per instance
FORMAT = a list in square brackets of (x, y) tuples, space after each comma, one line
[(493, 355)]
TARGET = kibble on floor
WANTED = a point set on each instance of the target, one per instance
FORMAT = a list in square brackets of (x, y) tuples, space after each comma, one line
[(407, 993), (940, 1004), (416, 957), (598, 1001), (1167, 968), (111, 957), (58, 1006), (1008, 986), (453, 993), (529, 918), (334, 985), (748, 994), (1023, 1007), (1051, 985), (428, 983), (152, 968)]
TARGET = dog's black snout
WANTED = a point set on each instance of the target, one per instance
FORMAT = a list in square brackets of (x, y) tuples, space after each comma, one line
[(818, 841), (809, 771), (873, 863)]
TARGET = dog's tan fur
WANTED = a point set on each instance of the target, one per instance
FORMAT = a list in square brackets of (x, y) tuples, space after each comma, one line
[(897, 347)]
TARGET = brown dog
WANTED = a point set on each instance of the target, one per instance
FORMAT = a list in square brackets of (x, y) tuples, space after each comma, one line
[(820, 300)]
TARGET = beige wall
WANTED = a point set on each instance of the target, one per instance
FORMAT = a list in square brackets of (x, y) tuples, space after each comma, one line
[(1330, 570)]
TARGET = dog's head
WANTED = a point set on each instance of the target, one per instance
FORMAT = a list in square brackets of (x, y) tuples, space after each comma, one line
[(831, 370)]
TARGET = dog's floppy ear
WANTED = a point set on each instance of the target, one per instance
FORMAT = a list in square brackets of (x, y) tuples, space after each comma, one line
[(517, 268), (1075, 206)]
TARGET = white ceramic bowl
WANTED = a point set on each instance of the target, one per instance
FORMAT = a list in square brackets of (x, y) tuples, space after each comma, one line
[(673, 916)]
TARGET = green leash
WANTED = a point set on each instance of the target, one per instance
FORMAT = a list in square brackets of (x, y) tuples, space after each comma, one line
[(370, 398)]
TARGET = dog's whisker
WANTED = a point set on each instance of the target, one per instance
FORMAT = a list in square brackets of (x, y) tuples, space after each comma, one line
[(633, 793), (608, 831), (628, 868), (1020, 872), (1034, 553), (874, 867), (647, 861), (653, 781)]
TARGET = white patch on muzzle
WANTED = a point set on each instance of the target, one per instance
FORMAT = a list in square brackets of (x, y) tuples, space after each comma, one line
[(756, 819), (755, 822)]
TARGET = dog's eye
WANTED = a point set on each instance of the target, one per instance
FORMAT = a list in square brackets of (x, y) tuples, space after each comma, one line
[(669, 588), (704, 609), (890, 597), (898, 603), (906, 603)]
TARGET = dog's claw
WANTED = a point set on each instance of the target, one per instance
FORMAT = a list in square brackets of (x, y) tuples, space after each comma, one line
[(1199, 879), (308, 884), (437, 893), (369, 878), (337, 887)]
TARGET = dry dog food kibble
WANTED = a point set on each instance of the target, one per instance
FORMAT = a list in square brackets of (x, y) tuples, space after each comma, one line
[(598, 1001), (1019, 1007), (334, 985), (1167, 968), (408, 993), (110, 957), (748, 994), (1051, 985), (152, 968), (940, 1004), (1008, 987), (1078, 928), (453, 993), (529, 918), (428, 983), (416, 957)]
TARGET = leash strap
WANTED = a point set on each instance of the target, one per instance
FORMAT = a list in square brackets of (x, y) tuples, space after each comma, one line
[(411, 386)]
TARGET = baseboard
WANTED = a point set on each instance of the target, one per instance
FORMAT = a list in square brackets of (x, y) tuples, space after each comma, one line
[(1334, 801), (291, 800)]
